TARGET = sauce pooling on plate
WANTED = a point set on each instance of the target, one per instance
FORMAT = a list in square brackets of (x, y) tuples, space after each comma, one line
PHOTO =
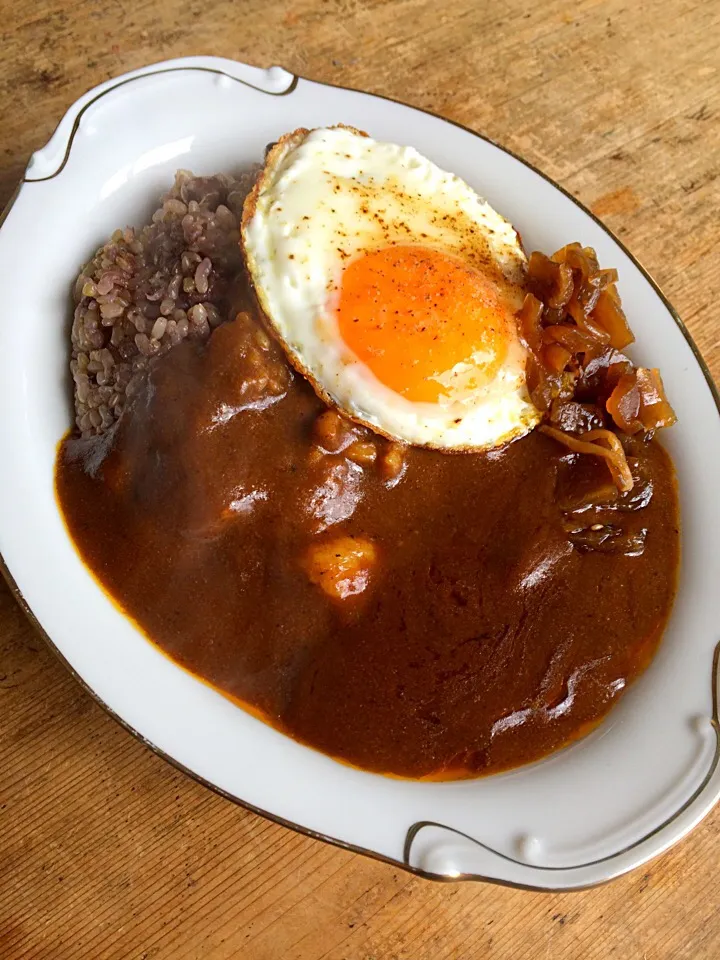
[(408, 611)]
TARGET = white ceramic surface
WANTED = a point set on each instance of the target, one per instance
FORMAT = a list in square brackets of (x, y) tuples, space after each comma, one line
[(590, 812)]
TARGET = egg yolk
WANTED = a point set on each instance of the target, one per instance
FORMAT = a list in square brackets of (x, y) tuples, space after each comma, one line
[(428, 326)]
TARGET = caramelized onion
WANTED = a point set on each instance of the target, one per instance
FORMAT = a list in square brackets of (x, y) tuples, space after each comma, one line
[(582, 259), (541, 385), (623, 404), (585, 322), (607, 538), (553, 280), (655, 409), (573, 339), (574, 327), (574, 417), (556, 357), (529, 321), (598, 443), (609, 315), (571, 280)]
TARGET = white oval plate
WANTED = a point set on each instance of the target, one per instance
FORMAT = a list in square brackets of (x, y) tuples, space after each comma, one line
[(645, 777)]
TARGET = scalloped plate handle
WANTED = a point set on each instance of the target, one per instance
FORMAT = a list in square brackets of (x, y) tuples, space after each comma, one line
[(432, 848), (49, 160)]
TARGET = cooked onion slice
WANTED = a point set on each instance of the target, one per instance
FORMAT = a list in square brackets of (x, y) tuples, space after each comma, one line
[(655, 409), (554, 281), (623, 404), (638, 402), (609, 315), (529, 317), (598, 443)]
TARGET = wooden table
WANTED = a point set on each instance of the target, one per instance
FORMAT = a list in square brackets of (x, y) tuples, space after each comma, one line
[(106, 851)]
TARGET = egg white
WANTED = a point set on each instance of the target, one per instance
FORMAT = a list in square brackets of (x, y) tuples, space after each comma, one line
[(331, 194)]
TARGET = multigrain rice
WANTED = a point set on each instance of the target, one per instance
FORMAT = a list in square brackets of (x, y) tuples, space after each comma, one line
[(146, 290)]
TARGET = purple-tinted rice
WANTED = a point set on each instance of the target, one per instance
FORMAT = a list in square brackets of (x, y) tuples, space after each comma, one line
[(146, 290)]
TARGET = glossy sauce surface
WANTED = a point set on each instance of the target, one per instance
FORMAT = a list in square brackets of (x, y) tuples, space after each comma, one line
[(408, 611)]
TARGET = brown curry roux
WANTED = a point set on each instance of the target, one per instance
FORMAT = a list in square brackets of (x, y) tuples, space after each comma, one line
[(408, 611)]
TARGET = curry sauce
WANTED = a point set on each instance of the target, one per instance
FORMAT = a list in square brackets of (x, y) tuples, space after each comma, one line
[(407, 611)]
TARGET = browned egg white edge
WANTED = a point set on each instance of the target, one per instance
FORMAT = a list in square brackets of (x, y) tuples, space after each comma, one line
[(273, 158)]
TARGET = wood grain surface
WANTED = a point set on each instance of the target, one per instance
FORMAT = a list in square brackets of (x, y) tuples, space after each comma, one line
[(105, 850)]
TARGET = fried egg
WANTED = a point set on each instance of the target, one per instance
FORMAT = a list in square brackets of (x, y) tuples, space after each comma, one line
[(393, 287)]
